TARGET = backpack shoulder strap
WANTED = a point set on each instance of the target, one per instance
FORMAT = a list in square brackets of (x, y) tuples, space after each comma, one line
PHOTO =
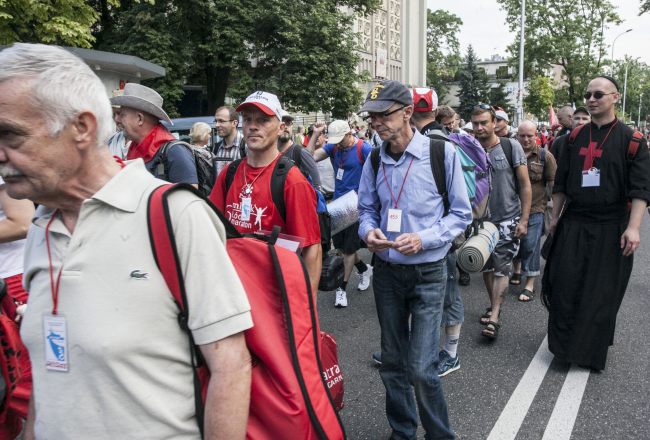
[(633, 146), (574, 134), (230, 176), (165, 252), (437, 159), (296, 155), (542, 157), (506, 145), (360, 151), (278, 179), (374, 160)]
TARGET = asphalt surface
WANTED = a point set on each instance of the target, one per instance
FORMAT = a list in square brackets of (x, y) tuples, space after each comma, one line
[(615, 404)]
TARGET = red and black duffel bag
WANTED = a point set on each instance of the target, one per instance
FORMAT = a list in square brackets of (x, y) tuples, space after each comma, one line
[(289, 393)]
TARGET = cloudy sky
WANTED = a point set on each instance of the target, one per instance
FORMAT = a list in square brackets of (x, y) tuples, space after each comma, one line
[(484, 28)]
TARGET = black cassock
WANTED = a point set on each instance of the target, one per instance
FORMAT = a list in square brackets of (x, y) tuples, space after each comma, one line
[(586, 273)]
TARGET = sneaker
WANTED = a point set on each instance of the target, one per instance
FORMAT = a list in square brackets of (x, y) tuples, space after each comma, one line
[(447, 364), (376, 356), (463, 279), (341, 298), (364, 278)]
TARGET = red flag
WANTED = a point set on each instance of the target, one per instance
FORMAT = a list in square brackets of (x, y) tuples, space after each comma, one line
[(552, 118)]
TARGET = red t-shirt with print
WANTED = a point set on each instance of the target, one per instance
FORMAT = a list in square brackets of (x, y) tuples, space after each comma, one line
[(299, 200)]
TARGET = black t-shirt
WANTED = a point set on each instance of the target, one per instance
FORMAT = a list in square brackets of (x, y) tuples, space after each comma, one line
[(621, 179), (180, 165)]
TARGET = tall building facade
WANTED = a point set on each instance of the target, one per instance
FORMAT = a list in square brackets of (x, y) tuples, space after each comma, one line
[(392, 42)]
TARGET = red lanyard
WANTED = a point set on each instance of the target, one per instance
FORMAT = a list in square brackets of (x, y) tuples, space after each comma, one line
[(392, 196), (602, 144), (54, 287)]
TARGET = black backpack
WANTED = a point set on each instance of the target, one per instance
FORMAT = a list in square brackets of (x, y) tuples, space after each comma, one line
[(437, 159), (203, 160)]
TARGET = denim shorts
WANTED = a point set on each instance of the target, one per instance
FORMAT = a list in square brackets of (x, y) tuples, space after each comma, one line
[(500, 262), (530, 248)]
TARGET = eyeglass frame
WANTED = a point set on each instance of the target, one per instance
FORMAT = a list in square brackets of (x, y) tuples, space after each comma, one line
[(602, 95), (223, 121), (383, 115)]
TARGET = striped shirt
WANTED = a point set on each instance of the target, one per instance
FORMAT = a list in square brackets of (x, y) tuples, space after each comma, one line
[(226, 154)]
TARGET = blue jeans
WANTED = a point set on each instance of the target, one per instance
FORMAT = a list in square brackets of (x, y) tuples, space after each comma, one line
[(410, 357), (530, 247), (453, 311)]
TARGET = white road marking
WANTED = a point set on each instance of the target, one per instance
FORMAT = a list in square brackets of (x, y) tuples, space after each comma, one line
[(512, 416), (560, 425)]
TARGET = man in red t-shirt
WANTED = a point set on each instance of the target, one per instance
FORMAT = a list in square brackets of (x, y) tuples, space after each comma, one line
[(249, 204)]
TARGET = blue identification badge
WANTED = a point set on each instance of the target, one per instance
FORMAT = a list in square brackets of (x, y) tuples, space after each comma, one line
[(246, 208), (55, 334)]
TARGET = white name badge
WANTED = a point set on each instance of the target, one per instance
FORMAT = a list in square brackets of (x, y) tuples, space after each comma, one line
[(55, 334), (394, 220), (246, 208), (339, 174), (591, 178)]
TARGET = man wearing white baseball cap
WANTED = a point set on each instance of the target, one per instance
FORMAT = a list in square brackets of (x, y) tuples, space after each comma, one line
[(502, 129), (243, 189), (347, 154)]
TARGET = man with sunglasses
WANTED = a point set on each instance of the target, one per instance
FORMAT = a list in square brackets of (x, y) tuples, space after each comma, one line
[(402, 220), (602, 187), (509, 207)]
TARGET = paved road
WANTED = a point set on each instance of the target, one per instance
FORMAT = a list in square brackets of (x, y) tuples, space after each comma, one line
[(511, 388)]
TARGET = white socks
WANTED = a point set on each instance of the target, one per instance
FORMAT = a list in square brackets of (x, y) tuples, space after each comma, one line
[(451, 344)]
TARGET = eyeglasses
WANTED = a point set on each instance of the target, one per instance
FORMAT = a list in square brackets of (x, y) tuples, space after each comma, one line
[(223, 121), (482, 106), (384, 114), (596, 95)]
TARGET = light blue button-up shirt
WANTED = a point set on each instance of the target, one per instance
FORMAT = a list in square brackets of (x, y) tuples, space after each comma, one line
[(421, 204)]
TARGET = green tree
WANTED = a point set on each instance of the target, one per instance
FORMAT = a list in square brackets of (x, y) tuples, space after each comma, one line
[(154, 32), (645, 6), (63, 22), (474, 86), (568, 33), (540, 97), (304, 51), (638, 87), (498, 97), (443, 49)]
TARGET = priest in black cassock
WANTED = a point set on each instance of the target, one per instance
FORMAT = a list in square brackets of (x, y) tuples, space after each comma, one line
[(603, 176)]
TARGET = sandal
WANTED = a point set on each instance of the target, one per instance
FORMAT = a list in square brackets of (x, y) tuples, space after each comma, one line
[(485, 317), (528, 294), (491, 330), (516, 279)]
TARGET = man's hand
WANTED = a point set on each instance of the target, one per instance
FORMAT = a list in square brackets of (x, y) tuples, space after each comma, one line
[(408, 244), (377, 241), (553, 226), (319, 127), (521, 230), (630, 241)]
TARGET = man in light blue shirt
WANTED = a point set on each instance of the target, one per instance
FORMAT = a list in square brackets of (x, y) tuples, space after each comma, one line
[(402, 219)]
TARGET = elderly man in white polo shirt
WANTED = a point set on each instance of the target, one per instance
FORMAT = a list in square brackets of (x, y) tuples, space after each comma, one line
[(109, 358)]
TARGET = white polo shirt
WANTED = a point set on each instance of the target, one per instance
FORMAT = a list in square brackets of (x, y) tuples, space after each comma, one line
[(130, 374)]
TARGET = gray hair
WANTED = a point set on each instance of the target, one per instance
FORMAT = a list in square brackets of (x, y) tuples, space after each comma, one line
[(62, 85)]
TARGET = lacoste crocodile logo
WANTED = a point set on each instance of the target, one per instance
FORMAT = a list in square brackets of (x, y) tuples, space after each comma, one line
[(136, 274)]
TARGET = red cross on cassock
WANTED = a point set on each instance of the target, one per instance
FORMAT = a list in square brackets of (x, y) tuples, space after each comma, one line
[(590, 154)]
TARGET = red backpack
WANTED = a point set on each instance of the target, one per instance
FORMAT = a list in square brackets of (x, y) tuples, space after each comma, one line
[(15, 369), (289, 389)]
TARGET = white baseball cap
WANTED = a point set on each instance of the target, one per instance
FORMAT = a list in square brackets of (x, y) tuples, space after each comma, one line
[(337, 130), (500, 114), (267, 102)]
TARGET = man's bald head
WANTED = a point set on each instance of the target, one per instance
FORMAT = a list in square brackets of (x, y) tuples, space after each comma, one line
[(564, 115), (526, 134), (602, 109)]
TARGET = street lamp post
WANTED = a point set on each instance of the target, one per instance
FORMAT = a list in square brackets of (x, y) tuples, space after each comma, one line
[(638, 117), (520, 95), (625, 89), (613, 43)]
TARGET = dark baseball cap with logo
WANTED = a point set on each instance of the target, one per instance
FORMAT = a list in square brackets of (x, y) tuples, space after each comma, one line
[(384, 94)]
